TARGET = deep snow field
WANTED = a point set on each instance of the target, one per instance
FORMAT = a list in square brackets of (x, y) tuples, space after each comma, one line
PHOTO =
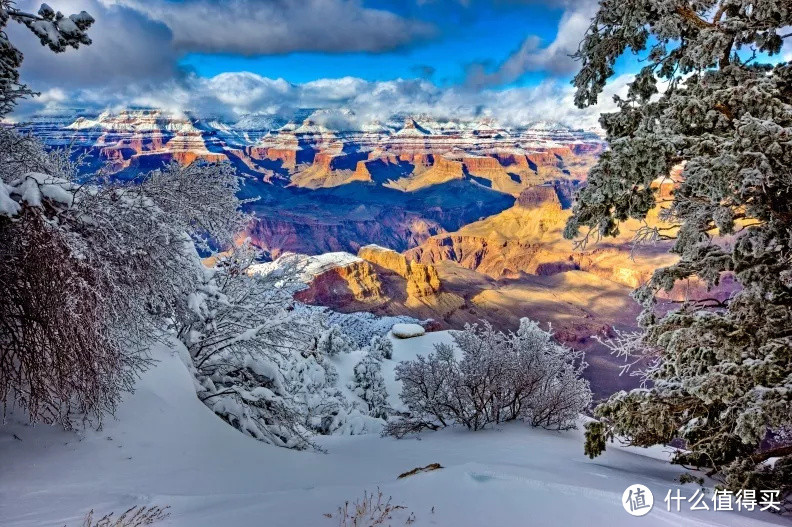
[(167, 448)]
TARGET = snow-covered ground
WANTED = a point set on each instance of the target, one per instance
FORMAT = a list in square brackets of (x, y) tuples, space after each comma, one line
[(167, 448)]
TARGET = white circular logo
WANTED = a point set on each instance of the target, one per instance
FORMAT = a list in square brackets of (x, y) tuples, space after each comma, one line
[(637, 500)]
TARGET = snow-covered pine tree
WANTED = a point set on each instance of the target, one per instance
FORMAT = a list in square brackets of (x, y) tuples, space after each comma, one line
[(382, 346), (333, 341), (368, 383), (55, 30), (713, 96)]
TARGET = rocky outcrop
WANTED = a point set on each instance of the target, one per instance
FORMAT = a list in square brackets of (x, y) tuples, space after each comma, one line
[(382, 169), (527, 240), (422, 280), (447, 168), (539, 196), (442, 171), (489, 171), (418, 159), (511, 159), (481, 164), (286, 155), (492, 257), (587, 148), (275, 234), (345, 284), (186, 157), (542, 159)]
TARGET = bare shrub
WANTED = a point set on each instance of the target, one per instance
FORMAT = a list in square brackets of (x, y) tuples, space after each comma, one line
[(134, 517), (500, 377), (57, 357)]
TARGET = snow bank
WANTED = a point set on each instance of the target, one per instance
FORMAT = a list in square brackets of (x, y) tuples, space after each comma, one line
[(168, 448), (406, 331)]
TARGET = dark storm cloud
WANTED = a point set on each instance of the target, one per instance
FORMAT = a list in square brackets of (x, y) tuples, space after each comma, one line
[(127, 47), (249, 27), (142, 41)]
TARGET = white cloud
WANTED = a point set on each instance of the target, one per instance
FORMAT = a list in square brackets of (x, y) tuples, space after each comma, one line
[(531, 56), (232, 95), (137, 45)]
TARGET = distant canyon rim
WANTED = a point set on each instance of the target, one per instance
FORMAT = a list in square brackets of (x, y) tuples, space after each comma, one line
[(450, 222)]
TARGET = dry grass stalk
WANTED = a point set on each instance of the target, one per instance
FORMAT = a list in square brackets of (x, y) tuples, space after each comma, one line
[(133, 517), (370, 511)]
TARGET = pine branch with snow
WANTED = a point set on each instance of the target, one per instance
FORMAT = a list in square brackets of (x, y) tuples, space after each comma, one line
[(723, 382), (54, 29)]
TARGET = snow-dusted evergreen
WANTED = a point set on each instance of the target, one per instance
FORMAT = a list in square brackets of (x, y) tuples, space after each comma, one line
[(368, 383), (333, 342), (499, 377), (714, 96), (382, 346)]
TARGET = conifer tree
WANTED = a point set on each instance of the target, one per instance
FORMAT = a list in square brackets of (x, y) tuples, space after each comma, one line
[(382, 346), (714, 97), (333, 342), (369, 384)]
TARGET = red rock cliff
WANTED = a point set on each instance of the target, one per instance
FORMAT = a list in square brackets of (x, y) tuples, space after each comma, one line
[(422, 280)]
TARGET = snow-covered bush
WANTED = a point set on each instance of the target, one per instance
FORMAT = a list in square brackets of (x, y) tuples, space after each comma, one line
[(382, 346), (240, 337), (360, 326), (368, 383), (89, 272), (499, 377), (333, 342), (261, 364)]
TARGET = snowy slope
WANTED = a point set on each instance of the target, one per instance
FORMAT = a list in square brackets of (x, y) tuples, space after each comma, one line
[(167, 448), (306, 266)]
